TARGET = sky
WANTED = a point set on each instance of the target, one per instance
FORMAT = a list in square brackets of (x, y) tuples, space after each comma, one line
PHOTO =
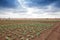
[(29, 8)]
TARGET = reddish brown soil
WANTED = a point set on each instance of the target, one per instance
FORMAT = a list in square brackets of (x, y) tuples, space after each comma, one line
[(51, 34)]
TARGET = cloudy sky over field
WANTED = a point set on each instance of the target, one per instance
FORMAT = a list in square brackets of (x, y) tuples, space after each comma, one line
[(29, 8)]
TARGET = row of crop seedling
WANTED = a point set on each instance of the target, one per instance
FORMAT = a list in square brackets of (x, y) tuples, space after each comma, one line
[(28, 30)]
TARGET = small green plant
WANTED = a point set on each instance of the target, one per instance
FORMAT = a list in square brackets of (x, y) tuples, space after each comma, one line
[(31, 30)]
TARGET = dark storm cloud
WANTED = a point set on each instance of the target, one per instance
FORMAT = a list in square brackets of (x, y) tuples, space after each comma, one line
[(34, 3), (8, 3)]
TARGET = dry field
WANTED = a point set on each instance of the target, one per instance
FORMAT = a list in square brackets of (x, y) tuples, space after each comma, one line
[(25, 29)]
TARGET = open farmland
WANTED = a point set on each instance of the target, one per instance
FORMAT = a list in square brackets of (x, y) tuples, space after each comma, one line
[(24, 29)]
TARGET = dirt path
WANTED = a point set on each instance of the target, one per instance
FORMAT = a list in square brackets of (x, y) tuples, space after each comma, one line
[(55, 34), (52, 34)]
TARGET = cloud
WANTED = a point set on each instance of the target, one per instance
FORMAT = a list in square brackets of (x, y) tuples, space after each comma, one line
[(30, 13), (42, 3), (8, 3), (29, 8)]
